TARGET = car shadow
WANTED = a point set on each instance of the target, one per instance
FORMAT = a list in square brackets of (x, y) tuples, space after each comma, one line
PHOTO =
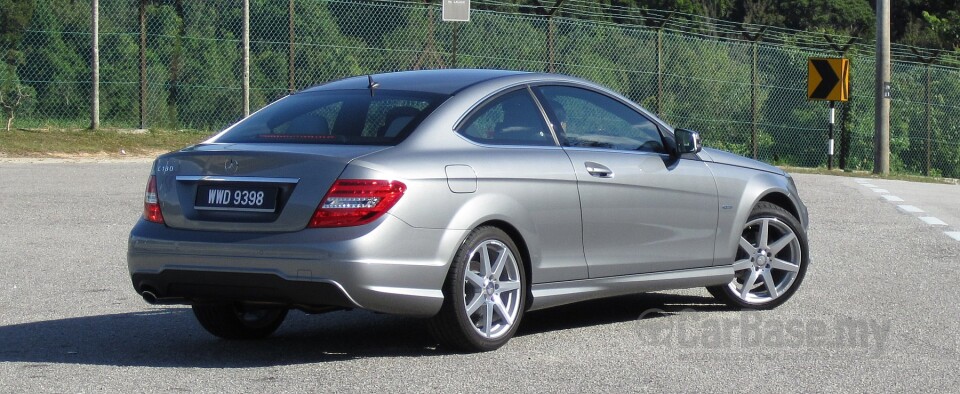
[(170, 336)]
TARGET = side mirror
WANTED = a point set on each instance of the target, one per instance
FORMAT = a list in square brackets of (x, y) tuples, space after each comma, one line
[(688, 141)]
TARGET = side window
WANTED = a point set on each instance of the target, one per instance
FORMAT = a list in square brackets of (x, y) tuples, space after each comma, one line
[(511, 119), (591, 119)]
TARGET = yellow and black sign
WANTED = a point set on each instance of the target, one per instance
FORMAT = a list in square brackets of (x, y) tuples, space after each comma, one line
[(828, 79)]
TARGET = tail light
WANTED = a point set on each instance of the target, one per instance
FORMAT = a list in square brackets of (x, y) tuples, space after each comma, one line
[(352, 202), (151, 204)]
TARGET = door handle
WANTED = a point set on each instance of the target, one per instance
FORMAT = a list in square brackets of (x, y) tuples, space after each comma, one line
[(598, 170)]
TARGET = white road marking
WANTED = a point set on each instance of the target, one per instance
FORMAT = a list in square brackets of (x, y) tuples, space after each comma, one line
[(909, 208), (930, 220), (933, 221)]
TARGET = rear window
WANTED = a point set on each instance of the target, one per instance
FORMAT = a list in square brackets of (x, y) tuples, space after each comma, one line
[(336, 117)]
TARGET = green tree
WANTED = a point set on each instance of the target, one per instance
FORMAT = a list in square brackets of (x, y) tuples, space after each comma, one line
[(55, 59), (323, 52), (946, 28), (921, 22), (708, 89), (13, 94), (15, 16), (853, 17)]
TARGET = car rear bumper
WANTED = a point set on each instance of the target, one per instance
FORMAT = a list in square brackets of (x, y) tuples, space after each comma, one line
[(184, 286), (386, 266)]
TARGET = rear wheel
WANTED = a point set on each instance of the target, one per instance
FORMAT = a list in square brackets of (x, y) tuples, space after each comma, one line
[(484, 294), (770, 263), (236, 321)]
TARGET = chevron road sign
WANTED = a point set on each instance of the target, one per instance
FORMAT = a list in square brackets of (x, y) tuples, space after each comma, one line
[(828, 79)]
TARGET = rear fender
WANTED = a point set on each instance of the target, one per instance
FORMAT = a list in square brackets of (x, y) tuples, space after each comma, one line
[(477, 211)]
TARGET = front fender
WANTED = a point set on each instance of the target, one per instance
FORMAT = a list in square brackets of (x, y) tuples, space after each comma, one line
[(739, 190)]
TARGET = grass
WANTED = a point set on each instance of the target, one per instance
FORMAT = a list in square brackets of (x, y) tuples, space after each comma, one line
[(35, 143), (53, 142), (867, 174)]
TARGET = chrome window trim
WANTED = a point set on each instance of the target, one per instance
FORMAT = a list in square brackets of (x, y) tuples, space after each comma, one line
[(612, 150)]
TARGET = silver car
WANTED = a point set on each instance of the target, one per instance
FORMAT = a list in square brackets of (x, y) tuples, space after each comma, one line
[(467, 197)]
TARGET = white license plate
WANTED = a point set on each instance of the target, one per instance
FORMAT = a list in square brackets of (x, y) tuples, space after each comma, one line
[(236, 198)]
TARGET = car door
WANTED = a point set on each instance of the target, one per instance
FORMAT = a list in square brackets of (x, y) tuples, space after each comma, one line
[(642, 210), (519, 164)]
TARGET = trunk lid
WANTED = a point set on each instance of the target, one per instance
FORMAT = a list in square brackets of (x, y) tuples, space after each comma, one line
[(249, 187)]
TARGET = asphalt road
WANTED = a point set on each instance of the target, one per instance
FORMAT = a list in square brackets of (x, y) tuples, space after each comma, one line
[(878, 311)]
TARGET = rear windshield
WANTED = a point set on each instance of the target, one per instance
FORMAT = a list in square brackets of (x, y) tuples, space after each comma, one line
[(336, 117)]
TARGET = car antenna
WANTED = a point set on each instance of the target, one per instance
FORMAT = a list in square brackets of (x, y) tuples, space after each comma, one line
[(373, 85)]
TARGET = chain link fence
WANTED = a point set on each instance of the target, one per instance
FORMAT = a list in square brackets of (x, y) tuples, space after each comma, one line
[(745, 93)]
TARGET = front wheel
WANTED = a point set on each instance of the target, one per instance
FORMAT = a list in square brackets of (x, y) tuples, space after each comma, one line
[(770, 263), (236, 321), (484, 294)]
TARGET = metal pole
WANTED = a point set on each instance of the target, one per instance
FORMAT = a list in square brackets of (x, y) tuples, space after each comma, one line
[(551, 34), (927, 100), (143, 64), (754, 81), (456, 33), (659, 24), (753, 102), (845, 109), (290, 60), (927, 61), (844, 131), (246, 58), (830, 135), (660, 72), (881, 161), (95, 66)]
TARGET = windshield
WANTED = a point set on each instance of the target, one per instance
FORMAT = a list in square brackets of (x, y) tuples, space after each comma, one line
[(336, 117)]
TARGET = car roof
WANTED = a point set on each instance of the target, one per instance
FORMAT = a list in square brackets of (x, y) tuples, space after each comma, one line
[(446, 81), (450, 82)]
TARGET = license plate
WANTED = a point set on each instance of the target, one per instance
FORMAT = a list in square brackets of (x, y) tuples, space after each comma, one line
[(236, 198)]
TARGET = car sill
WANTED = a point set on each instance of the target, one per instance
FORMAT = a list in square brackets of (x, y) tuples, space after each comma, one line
[(560, 293)]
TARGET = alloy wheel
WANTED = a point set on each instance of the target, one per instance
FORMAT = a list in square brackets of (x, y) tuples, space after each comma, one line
[(491, 291), (768, 261)]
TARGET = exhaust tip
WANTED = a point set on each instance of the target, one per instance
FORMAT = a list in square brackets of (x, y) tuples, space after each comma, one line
[(149, 297), (153, 299)]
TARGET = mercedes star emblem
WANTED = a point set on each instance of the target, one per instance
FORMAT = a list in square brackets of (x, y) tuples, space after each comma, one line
[(231, 166)]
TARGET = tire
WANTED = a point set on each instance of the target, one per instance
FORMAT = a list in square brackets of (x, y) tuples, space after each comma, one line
[(235, 321), (768, 270), (484, 293)]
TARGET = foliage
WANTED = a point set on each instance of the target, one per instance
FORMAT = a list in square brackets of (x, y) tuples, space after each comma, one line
[(15, 17), (193, 62), (13, 94), (947, 28)]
